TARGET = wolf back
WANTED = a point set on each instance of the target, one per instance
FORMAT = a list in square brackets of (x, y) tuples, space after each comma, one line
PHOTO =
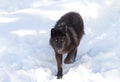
[(73, 23)]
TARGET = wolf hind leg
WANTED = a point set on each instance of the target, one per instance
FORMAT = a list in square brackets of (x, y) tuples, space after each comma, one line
[(71, 56)]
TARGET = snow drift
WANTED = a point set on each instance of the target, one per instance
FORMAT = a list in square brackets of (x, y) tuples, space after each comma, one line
[(25, 53)]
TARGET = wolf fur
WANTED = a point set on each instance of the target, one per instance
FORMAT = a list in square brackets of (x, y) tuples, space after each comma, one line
[(65, 38)]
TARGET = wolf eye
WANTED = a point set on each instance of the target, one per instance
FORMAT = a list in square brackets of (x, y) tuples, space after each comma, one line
[(62, 40), (56, 40)]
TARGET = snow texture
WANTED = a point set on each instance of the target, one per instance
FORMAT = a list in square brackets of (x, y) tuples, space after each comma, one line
[(25, 53)]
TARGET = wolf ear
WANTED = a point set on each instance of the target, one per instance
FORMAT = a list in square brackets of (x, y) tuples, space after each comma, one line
[(65, 29), (53, 32)]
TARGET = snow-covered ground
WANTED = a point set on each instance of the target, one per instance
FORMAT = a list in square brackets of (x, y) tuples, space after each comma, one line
[(25, 53)]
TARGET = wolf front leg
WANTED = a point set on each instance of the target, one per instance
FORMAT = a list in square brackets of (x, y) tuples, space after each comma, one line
[(71, 56), (59, 65)]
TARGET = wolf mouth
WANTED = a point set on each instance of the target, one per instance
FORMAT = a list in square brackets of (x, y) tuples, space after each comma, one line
[(60, 51)]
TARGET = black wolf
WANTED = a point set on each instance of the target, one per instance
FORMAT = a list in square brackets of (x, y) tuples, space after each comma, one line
[(65, 38)]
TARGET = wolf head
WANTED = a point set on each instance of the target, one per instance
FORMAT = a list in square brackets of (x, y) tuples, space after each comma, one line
[(58, 39)]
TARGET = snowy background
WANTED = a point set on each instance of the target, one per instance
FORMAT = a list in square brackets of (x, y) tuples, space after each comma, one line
[(25, 53)]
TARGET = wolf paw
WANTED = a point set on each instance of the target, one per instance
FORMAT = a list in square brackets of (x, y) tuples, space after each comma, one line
[(68, 61), (59, 75)]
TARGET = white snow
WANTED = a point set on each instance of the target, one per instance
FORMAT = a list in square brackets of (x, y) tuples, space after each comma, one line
[(25, 53)]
